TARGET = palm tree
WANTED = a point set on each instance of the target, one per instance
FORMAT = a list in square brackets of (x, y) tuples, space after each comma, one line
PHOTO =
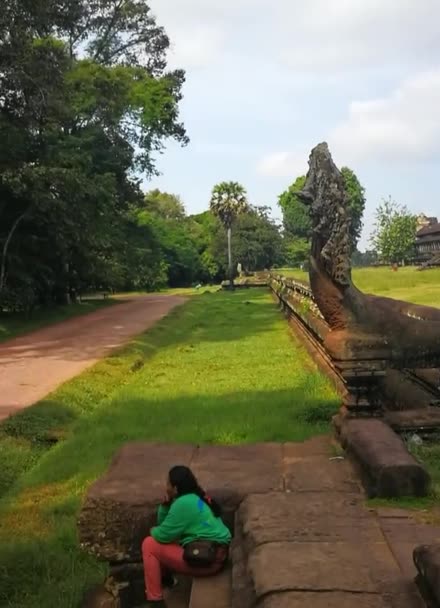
[(228, 200)]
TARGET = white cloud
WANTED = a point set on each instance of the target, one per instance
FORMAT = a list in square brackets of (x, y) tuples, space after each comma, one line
[(405, 126), (342, 35), (197, 35), (195, 47), (283, 164), (401, 128), (311, 36)]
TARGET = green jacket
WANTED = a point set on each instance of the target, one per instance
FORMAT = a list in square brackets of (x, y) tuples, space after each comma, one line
[(189, 518)]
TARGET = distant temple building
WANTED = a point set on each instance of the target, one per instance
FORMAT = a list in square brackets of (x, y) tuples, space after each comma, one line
[(428, 240)]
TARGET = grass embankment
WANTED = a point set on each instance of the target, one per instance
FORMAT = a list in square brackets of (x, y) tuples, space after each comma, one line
[(16, 324), (221, 369), (420, 287)]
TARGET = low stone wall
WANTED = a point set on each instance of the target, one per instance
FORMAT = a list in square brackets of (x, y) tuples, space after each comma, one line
[(258, 280), (387, 469)]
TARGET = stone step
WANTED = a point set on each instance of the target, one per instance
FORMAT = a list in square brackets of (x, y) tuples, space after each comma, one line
[(416, 420), (212, 591), (179, 596)]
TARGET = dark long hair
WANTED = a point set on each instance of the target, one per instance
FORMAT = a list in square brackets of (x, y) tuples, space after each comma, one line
[(185, 482)]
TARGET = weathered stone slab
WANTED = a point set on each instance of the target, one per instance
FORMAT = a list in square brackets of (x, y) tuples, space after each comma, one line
[(121, 506), (427, 561), (241, 469), (242, 590), (306, 517), (403, 532), (340, 600), (318, 473), (214, 591), (232, 472), (314, 447), (321, 567), (417, 420), (388, 469), (324, 600)]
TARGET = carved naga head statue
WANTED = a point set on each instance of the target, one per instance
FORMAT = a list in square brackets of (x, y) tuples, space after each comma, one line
[(324, 191), (409, 333)]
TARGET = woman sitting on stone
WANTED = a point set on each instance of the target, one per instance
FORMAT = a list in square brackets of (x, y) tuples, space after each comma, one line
[(190, 537)]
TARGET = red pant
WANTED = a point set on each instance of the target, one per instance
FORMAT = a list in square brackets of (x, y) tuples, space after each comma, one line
[(158, 558)]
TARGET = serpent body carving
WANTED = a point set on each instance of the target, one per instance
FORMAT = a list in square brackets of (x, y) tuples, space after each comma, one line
[(403, 333)]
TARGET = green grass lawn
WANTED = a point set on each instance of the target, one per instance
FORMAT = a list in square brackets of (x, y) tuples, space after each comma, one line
[(221, 369), (420, 287), (12, 325)]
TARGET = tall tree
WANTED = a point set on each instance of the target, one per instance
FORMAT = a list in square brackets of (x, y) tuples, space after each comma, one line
[(167, 206), (395, 232), (356, 193), (85, 100), (296, 215), (228, 201), (256, 240)]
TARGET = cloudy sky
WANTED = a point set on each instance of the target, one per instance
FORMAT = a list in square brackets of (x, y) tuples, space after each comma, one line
[(269, 79)]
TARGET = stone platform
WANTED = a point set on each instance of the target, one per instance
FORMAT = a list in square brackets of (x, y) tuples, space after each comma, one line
[(303, 535)]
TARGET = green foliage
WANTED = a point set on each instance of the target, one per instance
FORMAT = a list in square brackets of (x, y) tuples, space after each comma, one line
[(85, 101), (395, 232), (228, 201), (365, 258), (296, 251), (296, 216), (256, 241), (297, 221), (164, 205), (356, 194)]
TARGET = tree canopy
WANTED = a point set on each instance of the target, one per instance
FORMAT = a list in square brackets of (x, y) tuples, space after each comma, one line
[(296, 216), (394, 233), (256, 241), (85, 104), (228, 201)]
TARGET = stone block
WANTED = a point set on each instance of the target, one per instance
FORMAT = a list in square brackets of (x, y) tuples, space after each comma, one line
[(230, 473), (242, 590), (278, 567), (213, 591), (387, 468), (306, 517), (339, 599), (427, 561), (324, 600), (318, 473), (120, 508)]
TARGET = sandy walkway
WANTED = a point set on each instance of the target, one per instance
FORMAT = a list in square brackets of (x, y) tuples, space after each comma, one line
[(33, 365)]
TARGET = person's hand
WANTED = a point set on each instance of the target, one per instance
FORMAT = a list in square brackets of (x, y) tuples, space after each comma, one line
[(166, 501)]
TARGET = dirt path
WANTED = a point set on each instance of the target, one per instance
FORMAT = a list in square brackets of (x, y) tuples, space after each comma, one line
[(33, 365)]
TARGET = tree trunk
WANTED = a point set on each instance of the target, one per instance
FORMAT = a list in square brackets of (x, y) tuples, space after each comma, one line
[(230, 269), (5, 251)]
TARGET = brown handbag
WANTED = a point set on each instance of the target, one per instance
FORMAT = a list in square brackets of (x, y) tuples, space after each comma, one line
[(200, 553)]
